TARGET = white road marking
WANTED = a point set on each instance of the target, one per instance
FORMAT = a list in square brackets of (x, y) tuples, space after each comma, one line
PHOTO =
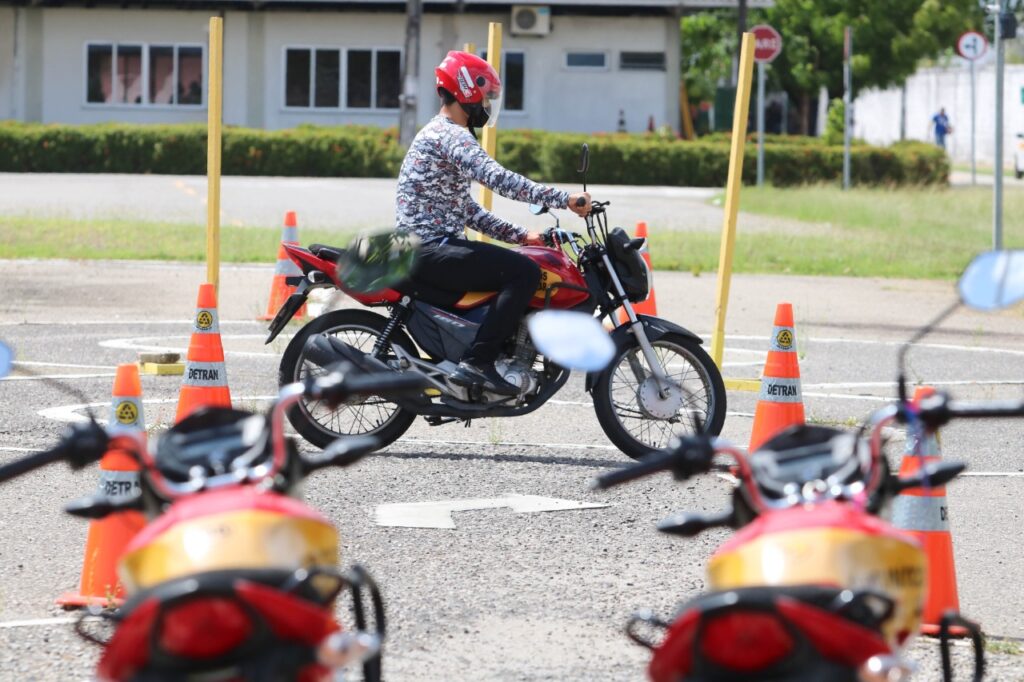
[(876, 342), (994, 474), (42, 377), (13, 449), (847, 396), (185, 322), (36, 363), (929, 382), (69, 413), (439, 514), (144, 343), (556, 446)]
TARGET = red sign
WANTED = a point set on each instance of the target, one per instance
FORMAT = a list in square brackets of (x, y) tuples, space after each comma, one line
[(767, 43)]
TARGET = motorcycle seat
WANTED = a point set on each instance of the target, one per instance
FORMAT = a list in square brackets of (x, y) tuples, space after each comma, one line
[(455, 300), (328, 253)]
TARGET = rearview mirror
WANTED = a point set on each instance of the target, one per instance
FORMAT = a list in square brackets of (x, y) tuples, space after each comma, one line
[(993, 280), (584, 159), (6, 359), (571, 339), (537, 209), (378, 260)]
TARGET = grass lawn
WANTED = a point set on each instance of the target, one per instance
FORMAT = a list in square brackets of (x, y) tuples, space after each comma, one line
[(918, 233), (29, 237), (921, 233)]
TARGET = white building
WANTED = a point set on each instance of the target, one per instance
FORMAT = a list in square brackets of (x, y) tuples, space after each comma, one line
[(328, 62)]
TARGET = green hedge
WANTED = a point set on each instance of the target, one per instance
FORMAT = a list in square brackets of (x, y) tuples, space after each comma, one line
[(358, 151)]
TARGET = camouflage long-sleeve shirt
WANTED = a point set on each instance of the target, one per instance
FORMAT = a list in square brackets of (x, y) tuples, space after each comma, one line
[(434, 186)]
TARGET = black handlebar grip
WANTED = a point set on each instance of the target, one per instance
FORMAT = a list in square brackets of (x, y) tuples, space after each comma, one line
[(83, 445), (652, 464)]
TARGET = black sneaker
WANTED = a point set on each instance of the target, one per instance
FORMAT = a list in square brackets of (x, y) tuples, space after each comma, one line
[(468, 374)]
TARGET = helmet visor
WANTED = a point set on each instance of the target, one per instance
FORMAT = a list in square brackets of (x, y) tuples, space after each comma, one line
[(492, 105)]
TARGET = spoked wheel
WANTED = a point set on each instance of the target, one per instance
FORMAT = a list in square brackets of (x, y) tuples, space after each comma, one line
[(370, 416), (638, 416)]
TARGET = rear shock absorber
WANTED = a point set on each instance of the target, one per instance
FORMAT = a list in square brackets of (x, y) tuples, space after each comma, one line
[(398, 316)]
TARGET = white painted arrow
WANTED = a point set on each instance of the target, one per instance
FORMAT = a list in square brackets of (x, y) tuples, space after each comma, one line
[(439, 514)]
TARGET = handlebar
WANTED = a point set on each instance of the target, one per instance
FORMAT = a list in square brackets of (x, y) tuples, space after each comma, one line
[(82, 445)]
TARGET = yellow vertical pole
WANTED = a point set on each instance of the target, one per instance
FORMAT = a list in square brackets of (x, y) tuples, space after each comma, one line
[(490, 135), (732, 193), (214, 106), (469, 47), (685, 114)]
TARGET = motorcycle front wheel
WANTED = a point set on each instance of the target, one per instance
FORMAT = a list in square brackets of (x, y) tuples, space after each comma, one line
[(372, 416), (638, 416)]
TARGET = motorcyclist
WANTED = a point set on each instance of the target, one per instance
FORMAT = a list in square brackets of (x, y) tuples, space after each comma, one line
[(434, 202)]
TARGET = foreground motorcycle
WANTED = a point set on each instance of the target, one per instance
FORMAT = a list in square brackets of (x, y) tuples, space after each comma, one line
[(660, 373), (233, 577), (814, 585)]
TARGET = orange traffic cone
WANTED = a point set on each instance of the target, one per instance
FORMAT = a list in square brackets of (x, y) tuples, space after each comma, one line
[(279, 289), (205, 380), (922, 512), (781, 403), (649, 306), (119, 478)]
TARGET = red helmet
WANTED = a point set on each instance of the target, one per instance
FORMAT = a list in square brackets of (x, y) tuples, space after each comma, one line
[(475, 85)]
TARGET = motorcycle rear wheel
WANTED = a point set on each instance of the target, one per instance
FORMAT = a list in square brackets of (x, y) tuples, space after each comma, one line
[(373, 416), (626, 406)]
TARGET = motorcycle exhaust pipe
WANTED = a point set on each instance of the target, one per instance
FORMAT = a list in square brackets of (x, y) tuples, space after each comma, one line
[(326, 351)]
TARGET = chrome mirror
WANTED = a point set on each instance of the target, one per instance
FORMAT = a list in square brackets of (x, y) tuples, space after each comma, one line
[(993, 280)]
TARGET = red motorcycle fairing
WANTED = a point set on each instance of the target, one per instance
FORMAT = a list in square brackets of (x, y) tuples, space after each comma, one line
[(556, 269), (306, 260), (211, 627)]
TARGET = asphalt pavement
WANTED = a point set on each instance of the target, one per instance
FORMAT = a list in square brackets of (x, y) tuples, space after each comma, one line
[(503, 596)]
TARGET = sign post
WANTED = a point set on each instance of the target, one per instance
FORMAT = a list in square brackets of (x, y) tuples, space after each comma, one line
[(972, 47), (767, 46), (847, 102)]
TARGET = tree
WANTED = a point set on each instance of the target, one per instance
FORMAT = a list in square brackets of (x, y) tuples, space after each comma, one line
[(890, 38)]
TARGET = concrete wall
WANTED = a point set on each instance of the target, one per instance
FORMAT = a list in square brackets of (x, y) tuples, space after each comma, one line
[(45, 79), (878, 112)]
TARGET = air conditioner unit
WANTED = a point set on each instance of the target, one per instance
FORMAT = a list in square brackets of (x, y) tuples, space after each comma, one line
[(531, 20)]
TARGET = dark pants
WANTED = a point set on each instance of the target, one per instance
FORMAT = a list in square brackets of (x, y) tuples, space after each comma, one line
[(459, 265)]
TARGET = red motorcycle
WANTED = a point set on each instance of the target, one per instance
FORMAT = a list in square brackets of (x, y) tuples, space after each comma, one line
[(814, 584), (658, 377), (234, 578)]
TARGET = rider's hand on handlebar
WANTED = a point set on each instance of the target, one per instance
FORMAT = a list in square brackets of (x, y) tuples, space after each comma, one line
[(580, 204), (534, 239)]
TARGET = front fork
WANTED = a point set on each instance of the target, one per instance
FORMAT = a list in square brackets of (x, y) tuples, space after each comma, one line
[(636, 328)]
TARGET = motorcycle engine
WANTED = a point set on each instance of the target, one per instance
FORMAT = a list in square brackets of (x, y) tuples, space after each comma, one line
[(518, 369)]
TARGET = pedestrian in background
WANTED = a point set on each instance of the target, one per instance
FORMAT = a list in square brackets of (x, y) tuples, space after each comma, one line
[(940, 122)]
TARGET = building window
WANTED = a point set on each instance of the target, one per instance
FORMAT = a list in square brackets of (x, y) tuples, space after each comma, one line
[(373, 79), (513, 79), (642, 61), (315, 78), (586, 60), (140, 75)]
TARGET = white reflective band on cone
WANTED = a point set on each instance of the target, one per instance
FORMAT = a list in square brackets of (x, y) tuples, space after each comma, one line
[(290, 235), (783, 340), (206, 321), (288, 268), (913, 512), (126, 415), (119, 485), (205, 374), (924, 447), (776, 390)]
